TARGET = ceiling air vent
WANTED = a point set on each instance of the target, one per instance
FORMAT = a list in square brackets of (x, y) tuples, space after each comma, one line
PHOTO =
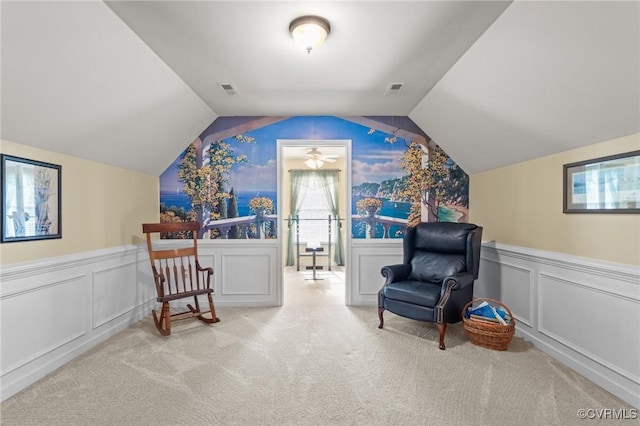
[(393, 89), (228, 88)]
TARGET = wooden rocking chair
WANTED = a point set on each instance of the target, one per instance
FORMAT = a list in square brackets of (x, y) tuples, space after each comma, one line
[(178, 274)]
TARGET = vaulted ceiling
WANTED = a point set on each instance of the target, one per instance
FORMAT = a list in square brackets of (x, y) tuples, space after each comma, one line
[(131, 83)]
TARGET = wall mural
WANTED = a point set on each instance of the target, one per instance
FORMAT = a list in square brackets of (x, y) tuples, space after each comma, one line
[(226, 178)]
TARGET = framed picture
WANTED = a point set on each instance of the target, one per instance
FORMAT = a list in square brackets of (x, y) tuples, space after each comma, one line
[(31, 199), (603, 185)]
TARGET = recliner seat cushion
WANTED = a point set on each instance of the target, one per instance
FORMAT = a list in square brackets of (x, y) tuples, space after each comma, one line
[(434, 267), (415, 292)]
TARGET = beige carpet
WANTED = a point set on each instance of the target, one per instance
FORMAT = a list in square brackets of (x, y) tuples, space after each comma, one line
[(312, 361)]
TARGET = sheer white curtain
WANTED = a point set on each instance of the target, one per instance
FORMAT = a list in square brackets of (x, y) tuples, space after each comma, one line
[(298, 178), (329, 181), (301, 181)]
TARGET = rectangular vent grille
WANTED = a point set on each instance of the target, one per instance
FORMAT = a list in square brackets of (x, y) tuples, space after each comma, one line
[(228, 88), (393, 89)]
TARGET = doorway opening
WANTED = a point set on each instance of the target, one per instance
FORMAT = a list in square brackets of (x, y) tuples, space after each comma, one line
[(314, 205)]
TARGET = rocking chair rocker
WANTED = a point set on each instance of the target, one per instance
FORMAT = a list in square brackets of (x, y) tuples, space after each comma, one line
[(177, 274)]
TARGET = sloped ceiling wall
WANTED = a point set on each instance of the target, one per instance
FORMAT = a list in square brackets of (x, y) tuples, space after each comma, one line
[(546, 77), (92, 89)]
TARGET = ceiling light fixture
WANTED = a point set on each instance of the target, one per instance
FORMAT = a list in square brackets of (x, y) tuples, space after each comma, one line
[(309, 31), (314, 163)]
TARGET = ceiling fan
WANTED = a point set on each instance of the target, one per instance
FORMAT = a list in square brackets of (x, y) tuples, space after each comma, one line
[(315, 158)]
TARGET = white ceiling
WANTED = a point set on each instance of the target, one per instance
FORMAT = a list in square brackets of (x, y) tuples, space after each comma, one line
[(132, 83)]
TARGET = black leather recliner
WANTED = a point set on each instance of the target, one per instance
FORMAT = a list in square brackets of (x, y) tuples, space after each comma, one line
[(435, 282)]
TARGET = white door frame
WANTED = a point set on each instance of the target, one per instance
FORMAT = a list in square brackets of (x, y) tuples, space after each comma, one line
[(282, 218)]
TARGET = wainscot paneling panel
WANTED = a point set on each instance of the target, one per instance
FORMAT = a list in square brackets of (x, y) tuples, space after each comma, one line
[(247, 272), (113, 295), (511, 281), (54, 309), (43, 326), (583, 312), (587, 320), (368, 257)]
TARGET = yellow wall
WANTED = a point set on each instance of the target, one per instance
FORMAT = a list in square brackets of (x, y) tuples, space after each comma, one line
[(102, 206), (521, 205)]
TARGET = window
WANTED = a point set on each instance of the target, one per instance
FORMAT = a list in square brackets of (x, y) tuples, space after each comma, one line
[(314, 206)]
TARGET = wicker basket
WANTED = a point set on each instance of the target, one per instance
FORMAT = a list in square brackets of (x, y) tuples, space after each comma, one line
[(489, 335)]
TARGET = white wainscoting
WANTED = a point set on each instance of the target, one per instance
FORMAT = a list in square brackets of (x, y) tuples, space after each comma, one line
[(583, 312), (53, 310), (247, 272)]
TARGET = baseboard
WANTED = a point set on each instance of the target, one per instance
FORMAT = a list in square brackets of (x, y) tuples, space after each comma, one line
[(586, 369)]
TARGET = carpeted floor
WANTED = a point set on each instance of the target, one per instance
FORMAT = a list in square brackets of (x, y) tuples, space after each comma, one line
[(312, 361)]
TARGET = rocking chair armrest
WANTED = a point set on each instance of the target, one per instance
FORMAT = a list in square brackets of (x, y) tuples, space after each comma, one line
[(159, 278), (458, 281), (395, 273), (209, 270)]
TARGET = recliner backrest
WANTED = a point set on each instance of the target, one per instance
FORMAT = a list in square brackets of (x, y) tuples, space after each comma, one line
[(438, 249), (432, 267)]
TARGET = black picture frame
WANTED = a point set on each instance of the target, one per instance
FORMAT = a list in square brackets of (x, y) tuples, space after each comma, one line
[(608, 184), (31, 199)]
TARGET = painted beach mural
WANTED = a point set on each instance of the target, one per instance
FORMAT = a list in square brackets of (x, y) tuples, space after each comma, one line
[(227, 178)]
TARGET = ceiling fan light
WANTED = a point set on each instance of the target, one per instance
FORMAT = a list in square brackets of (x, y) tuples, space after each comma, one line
[(313, 163), (309, 32)]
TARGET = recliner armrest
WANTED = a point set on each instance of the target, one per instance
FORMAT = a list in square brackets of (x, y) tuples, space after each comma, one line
[(458, 281), (395, 273)]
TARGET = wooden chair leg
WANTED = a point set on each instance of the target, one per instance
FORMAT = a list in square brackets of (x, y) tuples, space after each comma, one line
[(167, 317), (380, 311), (212, 309), (213, 318), (163, 322), (442, 328)]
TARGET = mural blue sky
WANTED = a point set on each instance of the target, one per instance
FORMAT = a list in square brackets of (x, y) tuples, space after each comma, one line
[(374, 160)]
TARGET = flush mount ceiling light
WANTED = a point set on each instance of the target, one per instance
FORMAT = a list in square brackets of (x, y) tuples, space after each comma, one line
[(309, 31)]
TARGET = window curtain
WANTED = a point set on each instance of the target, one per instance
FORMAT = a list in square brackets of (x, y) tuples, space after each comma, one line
[(329, 180), (297, 180)]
